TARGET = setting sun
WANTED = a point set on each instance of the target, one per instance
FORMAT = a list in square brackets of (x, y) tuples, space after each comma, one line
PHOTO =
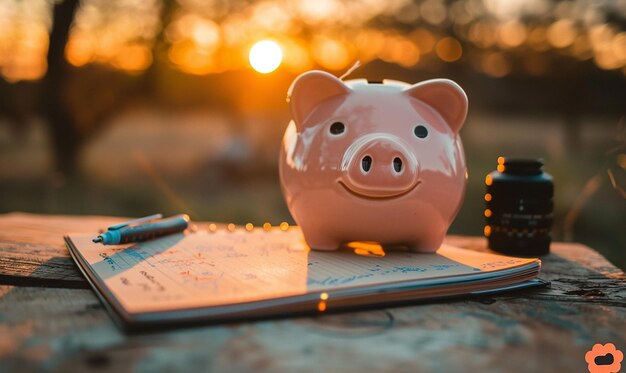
[(265, 56)]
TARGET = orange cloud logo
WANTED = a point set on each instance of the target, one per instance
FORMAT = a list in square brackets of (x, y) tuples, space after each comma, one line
[(604, 359)]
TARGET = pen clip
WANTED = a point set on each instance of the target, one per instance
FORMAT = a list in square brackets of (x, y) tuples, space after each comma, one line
[(145, 219)]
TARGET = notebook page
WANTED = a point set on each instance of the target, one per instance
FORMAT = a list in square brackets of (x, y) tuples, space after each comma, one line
[(208, 269)]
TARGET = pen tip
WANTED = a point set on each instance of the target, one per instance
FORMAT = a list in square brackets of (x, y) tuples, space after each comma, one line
[(97, 239)]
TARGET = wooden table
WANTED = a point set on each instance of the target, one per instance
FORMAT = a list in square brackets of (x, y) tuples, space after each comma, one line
[(51, 320)]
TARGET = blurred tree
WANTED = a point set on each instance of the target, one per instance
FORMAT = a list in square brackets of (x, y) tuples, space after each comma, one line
[(77, 103), (65, 136)]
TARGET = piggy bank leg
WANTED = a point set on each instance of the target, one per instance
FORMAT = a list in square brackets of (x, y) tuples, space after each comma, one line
[(427, 244), (319, 241)]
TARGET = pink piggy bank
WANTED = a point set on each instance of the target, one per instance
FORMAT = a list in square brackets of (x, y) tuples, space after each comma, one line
[(377, 162)]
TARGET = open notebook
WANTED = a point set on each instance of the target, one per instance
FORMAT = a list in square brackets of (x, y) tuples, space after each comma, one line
[(223, 275)]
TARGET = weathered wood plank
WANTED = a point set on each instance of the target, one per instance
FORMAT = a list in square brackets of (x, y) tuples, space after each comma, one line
[(68, 330), (18, 227), (32, 250)]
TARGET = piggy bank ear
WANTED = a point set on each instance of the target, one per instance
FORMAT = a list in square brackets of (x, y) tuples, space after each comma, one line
[(446, 97), (309, 90)]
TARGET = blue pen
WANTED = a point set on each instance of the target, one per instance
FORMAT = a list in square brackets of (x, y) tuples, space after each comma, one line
[(143, 229)]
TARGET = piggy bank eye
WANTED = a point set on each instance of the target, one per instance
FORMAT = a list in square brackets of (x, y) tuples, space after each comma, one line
[(337, 128), (420, 131)]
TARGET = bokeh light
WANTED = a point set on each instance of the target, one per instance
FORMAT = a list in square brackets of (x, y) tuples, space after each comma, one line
[(330, 53), (23, 40), (449, 49)]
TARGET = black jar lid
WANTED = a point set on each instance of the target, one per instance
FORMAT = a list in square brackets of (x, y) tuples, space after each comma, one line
[(520, 166)]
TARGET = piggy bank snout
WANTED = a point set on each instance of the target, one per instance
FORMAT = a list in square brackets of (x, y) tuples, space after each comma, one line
[(379, 166)]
